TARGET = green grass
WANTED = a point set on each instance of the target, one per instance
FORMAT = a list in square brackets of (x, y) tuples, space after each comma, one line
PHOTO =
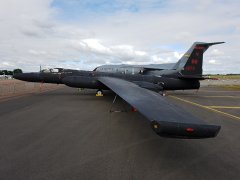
[(227, 87), (231, 87), (225, 76)]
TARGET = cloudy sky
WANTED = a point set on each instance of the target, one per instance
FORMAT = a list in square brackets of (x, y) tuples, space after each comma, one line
[(83, 34)]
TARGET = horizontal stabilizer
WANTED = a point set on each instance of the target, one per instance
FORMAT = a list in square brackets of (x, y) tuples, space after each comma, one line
[(191, 77), (213, 43)]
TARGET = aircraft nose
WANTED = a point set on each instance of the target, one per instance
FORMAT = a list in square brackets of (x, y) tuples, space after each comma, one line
[(18, 76), (31, 77)]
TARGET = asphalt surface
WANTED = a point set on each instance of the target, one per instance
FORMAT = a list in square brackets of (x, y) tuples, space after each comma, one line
[(65, 134), (10, 88)]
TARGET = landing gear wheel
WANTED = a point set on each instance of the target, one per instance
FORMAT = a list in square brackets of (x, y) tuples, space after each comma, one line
[(99, 92), (163, 93)]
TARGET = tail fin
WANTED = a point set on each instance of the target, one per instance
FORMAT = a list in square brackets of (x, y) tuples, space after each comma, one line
[(191, 62)]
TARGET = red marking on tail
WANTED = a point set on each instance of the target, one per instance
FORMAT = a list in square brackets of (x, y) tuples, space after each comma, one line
[(199, 47), (189, 68), (189, 129), (194, 61)]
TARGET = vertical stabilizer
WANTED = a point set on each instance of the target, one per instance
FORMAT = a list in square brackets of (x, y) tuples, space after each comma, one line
[(191, 62)]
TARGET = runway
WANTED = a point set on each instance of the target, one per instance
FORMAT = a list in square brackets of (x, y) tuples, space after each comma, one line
[(66, 134)]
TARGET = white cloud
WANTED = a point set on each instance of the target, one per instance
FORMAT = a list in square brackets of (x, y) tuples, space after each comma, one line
[(37, 53), (216, 52), (112, 54), (92, 45), (5, 63), (212, 61), (31, 34)]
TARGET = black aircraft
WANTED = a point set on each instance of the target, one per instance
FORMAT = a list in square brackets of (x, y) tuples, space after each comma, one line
[(141, 92)]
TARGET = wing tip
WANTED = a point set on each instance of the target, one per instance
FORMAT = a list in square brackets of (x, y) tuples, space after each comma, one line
[(184, 130)]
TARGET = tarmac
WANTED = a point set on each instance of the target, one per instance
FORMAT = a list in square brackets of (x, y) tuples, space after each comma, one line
[(11, 88), (69, 134)]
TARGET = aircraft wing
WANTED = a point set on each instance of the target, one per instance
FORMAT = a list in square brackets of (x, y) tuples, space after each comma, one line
[(166, 118)]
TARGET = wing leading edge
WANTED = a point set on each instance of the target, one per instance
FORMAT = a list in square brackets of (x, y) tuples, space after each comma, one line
[(166, 119)]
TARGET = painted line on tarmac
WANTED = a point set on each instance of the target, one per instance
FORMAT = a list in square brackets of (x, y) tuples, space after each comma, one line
[(233, 91), (206, 107), (224, 107), (221, 96), (236, 97)]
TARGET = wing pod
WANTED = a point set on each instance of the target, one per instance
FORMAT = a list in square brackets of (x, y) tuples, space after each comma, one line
[(185, 130)]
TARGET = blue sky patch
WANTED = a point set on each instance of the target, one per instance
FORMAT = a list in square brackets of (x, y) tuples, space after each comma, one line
[(80, 9)]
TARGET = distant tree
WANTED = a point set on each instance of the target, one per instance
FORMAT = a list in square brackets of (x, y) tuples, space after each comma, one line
[(5, 72), (9, 73), (1, 72), (16, 71)]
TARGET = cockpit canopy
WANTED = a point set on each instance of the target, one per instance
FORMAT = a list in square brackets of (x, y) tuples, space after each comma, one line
[(52, 70)]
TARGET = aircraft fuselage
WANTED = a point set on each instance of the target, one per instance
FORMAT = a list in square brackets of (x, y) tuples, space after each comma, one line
[(88, 79)]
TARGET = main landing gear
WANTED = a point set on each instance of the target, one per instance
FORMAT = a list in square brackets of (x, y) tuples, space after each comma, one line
[(116, 111), (99, 93), (196, 92), (133, 109), (163, 93)]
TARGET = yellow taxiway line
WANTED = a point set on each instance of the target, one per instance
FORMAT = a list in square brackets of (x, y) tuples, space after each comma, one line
[(224, 107), (220, 91), (196, 95), (206, 107), (236, 97)]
